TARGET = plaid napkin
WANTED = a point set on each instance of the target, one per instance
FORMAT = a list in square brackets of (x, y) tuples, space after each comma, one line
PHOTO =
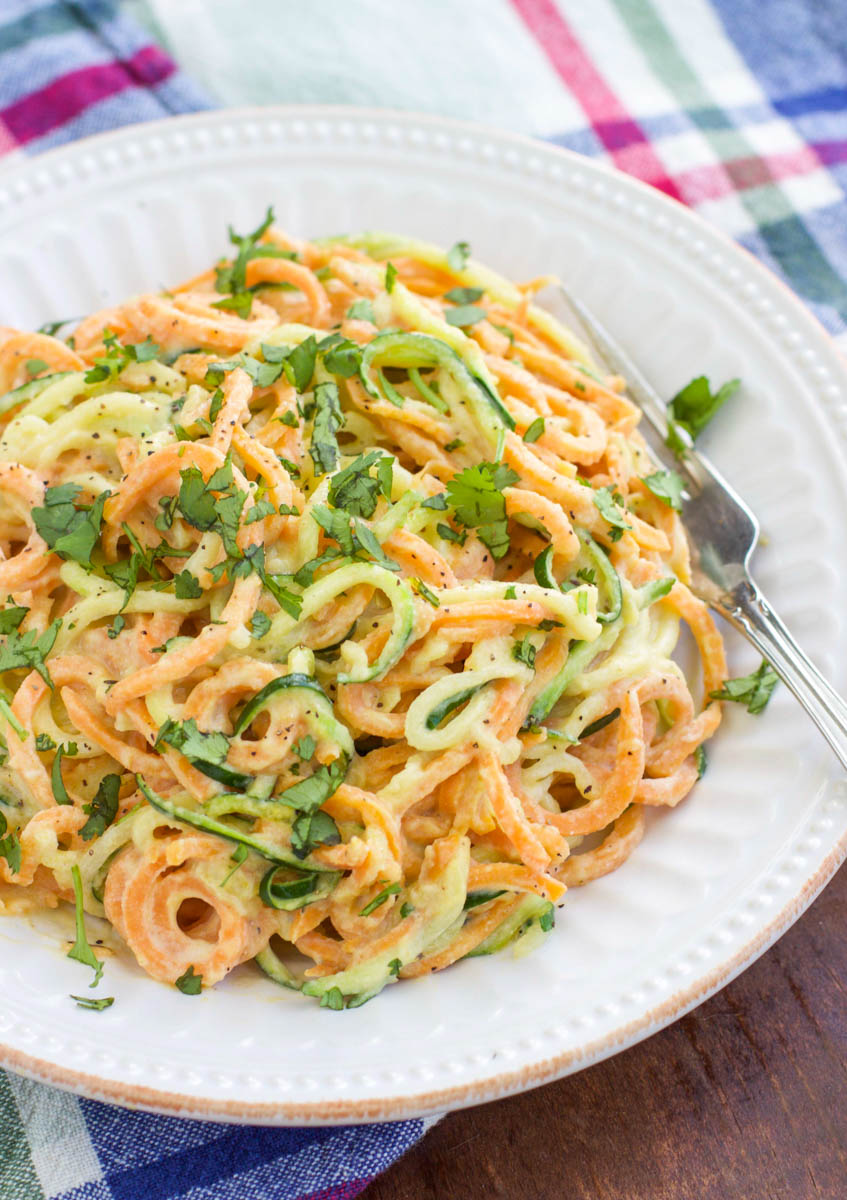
[(735, 107)]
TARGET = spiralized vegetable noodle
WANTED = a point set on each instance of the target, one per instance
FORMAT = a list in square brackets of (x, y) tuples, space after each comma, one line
[(341, 594)]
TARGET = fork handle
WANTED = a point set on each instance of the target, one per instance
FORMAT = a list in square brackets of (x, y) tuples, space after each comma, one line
[(748, 610)]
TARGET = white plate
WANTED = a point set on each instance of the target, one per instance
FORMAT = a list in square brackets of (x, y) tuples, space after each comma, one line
[(715, 881)]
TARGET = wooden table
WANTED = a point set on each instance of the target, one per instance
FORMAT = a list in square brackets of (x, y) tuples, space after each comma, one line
[(743, 1099)]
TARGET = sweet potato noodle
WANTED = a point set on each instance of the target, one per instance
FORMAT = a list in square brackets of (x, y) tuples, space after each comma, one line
[(338, 618)]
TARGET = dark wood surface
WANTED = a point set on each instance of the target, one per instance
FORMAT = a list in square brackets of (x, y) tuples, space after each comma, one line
[(743, 1099)]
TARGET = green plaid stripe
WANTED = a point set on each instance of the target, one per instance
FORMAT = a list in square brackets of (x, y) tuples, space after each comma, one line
[(18, 1180)]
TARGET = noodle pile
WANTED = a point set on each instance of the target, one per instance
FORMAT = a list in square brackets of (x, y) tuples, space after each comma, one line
[(340, 594)]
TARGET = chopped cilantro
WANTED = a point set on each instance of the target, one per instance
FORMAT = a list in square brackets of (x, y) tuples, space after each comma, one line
[(10, 618), (449, 534), (327, 422), (117, 626), (187, 587), (305, 747), (406, 909), (260, 623), (458, 255), (524, 652), (196, 744), (361, 310), (289, 418), (693, 407), (60, 792), (189, 983), (81, 951), (754, 690), (215, 406), (438, 502), (96, 1003), (395, 966), (390, 277), (70, 532), (43, 741), (464, 315), (700, 761), (103, 808), (313, 829), (535, 430), (10, 847), (464, 295), (343, 358), (606, 501), (668, 486), (29, 650), (380, 898), (476, 496), (355, 490)]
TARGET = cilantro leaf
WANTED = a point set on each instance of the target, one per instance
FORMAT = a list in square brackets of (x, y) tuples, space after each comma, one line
[(261, 509), (343, 358), (187, 587), (81, 950), (29, 650), (700, 761), (437, 502), (309, 794), (367, 540), (524, 652), (361, 310), (476, 497), (607, 506), (195, 500), (354, 489), (117, 626), (189, 983), (97, 1003), (194, 743), (57, 783), (228, 510), (693, 407), (103, 808), (464, 295), (327, 422), (43, 741), (458, 255), (10, 618), (535, 430), (336, 525), (305, 576), (313, 829), (668, 486), (10, 847), (754, 690), (70, 532), (260, 623), (305, 747), (464, 315)]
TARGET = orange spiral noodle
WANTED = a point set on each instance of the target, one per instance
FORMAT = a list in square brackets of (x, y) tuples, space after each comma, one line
[(338, 618)]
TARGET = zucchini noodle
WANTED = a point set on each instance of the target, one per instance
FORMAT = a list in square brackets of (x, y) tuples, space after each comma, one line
[(338, 618)]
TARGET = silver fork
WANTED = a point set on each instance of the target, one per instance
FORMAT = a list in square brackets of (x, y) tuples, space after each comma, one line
[(723, 533)]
